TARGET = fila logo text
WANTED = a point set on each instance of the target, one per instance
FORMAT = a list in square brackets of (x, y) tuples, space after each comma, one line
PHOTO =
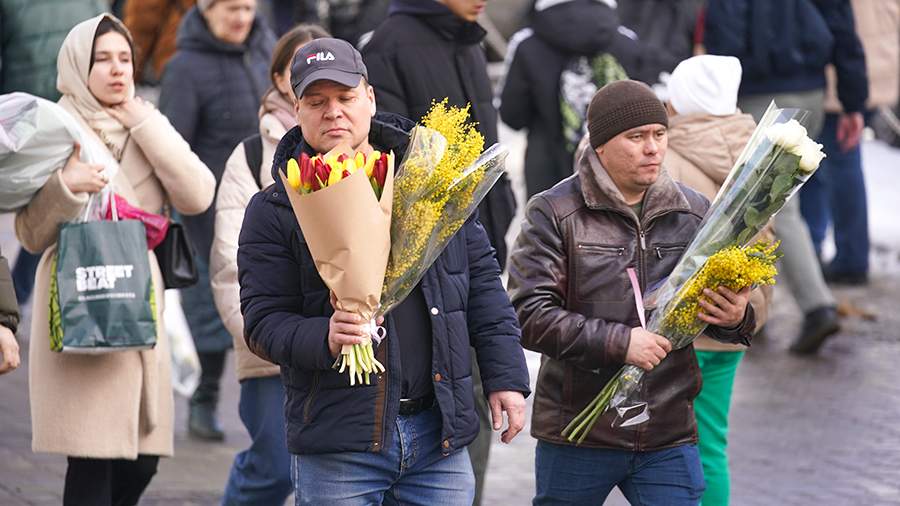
[(320, 57)]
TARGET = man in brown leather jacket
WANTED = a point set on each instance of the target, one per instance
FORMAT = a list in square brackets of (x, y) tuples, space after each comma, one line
[(568, 283)]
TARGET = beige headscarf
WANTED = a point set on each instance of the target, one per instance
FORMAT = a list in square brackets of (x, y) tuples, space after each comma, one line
[(73, 67)]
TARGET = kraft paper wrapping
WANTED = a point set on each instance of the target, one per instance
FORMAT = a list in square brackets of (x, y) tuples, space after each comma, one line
[(348, 232)]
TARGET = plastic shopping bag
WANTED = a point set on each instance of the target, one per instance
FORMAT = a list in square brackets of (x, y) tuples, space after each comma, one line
[(36, 139)]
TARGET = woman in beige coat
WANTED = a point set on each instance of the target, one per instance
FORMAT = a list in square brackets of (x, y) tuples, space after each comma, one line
[(111, 413), (260, 474)]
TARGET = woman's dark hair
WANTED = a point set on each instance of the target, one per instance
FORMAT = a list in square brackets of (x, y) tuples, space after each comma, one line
[(287, 46), (108, 25)]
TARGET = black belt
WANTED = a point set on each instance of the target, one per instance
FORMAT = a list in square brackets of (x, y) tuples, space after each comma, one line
[(410, 407)]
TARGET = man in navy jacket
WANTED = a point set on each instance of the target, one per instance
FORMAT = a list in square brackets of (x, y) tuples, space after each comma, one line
[(405, 435)]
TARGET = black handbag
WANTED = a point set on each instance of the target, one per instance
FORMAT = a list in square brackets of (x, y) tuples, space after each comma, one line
[(176, 258)]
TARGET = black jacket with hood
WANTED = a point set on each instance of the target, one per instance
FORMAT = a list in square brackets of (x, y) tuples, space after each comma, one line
[(423, 53), (538, 55)]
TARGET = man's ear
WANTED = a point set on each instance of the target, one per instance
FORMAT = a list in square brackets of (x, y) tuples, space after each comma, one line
[(371, 92)]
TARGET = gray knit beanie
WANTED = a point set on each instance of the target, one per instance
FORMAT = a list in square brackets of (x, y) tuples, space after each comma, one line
[(205, 4), (620, 106)]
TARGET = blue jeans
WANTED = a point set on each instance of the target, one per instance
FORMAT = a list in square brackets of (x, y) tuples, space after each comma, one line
[(836, 193), (585, 476), (261, 474), (410, 470)]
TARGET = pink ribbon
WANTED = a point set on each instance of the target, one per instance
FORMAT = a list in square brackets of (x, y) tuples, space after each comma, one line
[(638, 298)]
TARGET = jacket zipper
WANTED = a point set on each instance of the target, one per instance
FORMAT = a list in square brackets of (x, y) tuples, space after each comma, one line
[(661, 249), (312, 393), (603, 249)]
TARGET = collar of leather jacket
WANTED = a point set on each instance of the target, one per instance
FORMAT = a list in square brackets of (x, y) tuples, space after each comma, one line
[(600, 192)]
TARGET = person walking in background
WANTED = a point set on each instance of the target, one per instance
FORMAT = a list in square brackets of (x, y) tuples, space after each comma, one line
[(425, 52), (707, 133), (30, 36), (783, 63), (111, 414), (211, 91), (569, 50), (836, 193), (9, 321), (260, 474), (403, 438), (568, 283), (154, 24)]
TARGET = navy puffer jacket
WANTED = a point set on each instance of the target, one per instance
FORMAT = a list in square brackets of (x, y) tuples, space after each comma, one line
[(286, 313), (211, 91)]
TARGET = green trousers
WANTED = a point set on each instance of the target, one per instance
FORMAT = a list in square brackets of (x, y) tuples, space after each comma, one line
[(711, 408)]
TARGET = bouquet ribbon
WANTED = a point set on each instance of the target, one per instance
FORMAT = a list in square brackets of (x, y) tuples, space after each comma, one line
[(638, 298), (643, 416), (376, 332)]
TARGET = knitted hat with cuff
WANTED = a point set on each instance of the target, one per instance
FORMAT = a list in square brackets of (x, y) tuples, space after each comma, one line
[(621, 106)]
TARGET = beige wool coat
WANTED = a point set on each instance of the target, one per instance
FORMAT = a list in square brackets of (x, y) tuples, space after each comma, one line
[(702, 150), (118, 404), (235, 191)]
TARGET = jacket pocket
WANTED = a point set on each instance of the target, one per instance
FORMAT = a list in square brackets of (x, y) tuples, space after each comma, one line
[(600, 272)]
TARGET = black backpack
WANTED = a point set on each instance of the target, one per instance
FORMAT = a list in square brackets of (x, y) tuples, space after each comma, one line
[(253, 152)]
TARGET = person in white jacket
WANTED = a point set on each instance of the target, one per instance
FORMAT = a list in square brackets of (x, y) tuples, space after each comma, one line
[(261, 473)]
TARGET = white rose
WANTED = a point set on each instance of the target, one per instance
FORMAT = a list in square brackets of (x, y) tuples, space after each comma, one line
[(787, 135), (810, 154)]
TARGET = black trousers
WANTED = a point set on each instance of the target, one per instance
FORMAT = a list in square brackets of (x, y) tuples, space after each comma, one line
[(108, 482)]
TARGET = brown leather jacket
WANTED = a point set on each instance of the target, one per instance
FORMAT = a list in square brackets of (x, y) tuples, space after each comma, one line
[(568, 283)]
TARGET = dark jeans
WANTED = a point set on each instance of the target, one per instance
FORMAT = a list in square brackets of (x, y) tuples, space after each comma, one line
[(836, 193), (585, 476), (410, 471), (108, 482), (23, 275), (261, 474)]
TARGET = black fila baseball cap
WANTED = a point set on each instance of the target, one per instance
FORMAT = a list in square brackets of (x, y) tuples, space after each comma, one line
[(330, 59)]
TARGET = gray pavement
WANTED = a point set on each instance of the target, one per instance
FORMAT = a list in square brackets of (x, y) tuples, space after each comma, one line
[(804, 431)]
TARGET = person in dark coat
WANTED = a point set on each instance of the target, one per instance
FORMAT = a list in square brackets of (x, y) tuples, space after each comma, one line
[(559, 34), (787, 65), (211, 91), (405, 435), (427, 51), (9, 320)]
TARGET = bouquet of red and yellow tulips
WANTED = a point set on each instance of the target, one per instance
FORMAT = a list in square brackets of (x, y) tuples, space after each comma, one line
[(308, 174)]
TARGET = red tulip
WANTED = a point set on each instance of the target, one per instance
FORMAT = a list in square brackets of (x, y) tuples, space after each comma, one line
[(307, 173), (322, 173), (379, 172)]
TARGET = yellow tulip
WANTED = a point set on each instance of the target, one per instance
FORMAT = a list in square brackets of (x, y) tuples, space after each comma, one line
[(349, 165), (360, 160), (293, 173), (337, 173), (370, 162)]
